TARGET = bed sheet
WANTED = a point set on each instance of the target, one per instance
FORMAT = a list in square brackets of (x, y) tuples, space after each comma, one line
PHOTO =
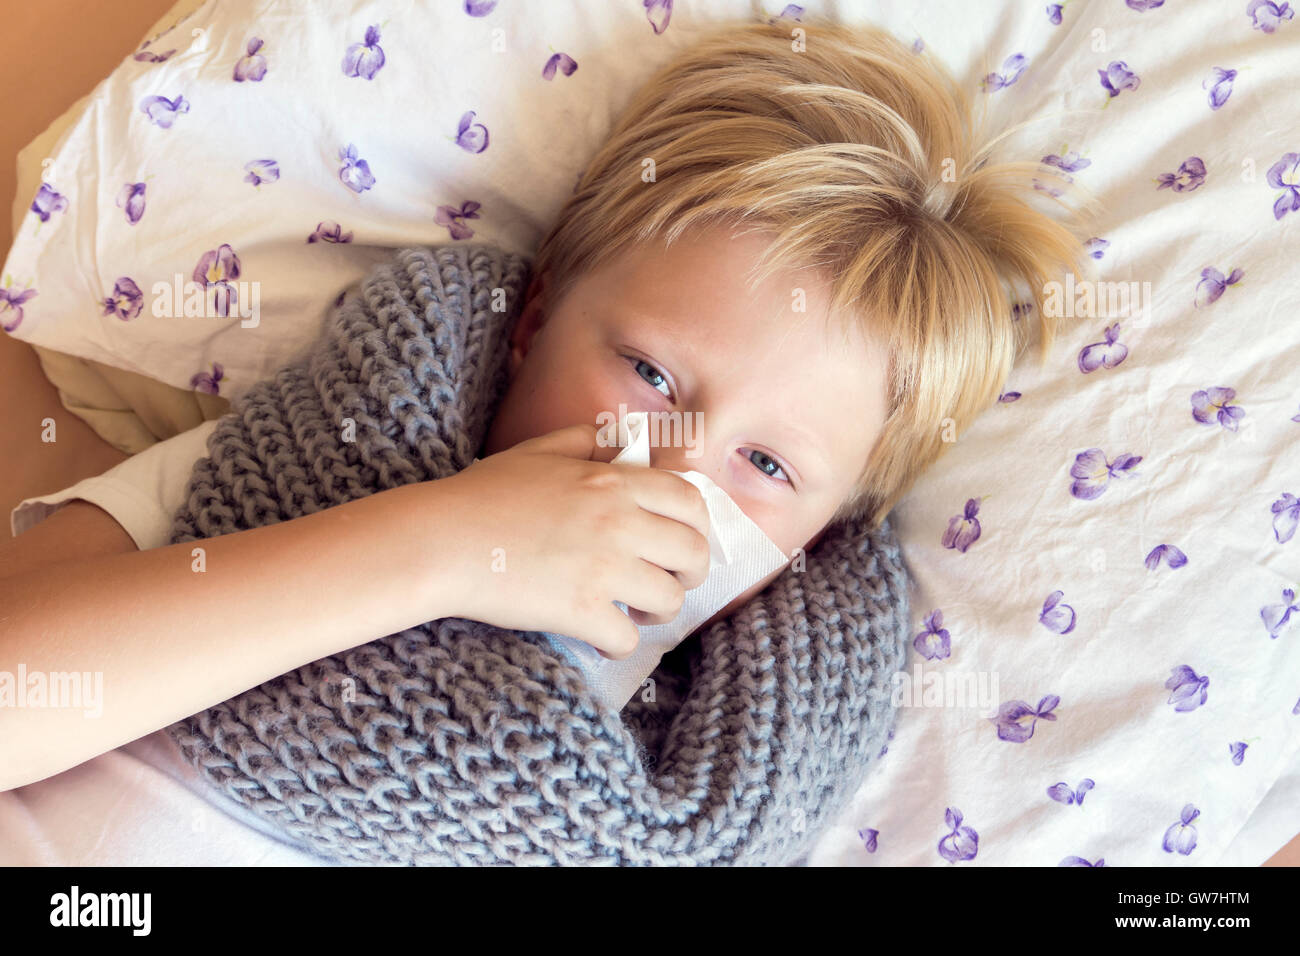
[(1106, 561)]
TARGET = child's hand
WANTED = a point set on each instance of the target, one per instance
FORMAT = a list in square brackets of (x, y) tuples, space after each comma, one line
[(551, 538)]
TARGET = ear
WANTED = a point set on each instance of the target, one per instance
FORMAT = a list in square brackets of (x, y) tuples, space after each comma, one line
[(530, 320)]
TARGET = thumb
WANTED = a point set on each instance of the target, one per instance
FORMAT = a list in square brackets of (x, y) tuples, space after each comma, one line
[(575, 441)]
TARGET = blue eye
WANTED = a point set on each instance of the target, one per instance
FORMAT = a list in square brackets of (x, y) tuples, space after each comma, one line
[(655, 377), (767, 465)]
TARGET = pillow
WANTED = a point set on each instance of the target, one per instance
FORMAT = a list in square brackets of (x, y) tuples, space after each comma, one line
[(1109, 554), (257, 160)]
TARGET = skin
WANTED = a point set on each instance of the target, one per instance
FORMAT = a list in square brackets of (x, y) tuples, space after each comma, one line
[(677, 328)]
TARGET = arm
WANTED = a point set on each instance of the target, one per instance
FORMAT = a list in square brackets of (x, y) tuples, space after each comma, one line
[(171, 641)]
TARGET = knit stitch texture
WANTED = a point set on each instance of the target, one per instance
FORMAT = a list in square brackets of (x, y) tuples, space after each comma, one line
[(457, 742)]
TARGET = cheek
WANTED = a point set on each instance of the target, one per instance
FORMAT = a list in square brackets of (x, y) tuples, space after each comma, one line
[(555, 389)]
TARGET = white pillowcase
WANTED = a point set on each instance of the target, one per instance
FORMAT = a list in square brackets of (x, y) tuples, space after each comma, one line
[(282, 154)]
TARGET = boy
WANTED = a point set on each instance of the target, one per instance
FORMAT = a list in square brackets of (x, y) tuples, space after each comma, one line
[(816, 266)]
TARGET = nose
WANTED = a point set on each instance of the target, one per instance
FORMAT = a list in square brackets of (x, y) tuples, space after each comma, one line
[(678, 442)]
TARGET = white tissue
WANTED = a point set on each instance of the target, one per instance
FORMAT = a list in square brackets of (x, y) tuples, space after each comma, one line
[(740, 555)]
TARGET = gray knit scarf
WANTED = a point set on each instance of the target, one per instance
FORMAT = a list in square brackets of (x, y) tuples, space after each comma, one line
[(457, 742)]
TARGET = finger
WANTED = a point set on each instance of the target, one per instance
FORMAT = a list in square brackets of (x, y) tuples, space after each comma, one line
[(670, 495), (611, 632), (675, 547), (656, 593), (575, 441)]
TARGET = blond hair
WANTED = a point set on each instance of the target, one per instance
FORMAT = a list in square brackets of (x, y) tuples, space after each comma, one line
[(862, 157)]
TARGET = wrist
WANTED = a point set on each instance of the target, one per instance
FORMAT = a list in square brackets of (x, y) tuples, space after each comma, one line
[(433, 518)]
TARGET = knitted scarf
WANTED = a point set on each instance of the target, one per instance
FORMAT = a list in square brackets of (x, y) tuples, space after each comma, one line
[(457, 742)]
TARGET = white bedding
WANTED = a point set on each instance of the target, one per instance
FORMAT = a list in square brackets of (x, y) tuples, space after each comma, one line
[(1216, 484)]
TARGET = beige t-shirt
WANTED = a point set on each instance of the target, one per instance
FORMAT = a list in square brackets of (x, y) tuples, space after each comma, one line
[(142, 493)]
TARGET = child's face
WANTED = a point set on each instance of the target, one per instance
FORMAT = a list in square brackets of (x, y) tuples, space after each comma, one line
[(784, 415)]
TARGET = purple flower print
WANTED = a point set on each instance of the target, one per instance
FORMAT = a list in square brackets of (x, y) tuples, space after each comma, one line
[(162, 111), (1238, 751), (1189, 691), (126, 301), (1181, 837), (1055, 616), (148, 56), (11, 301), (1054, 14), (1285, 175), (1117, 77), (261, 171), (934, 642), (962, 843), (658, 12), (1054, 191), (1092, 472), (217, 268), (561, 61), (1171, 555), (252, 65), (329, 231), (471, 136), (918, 45), (1143, 5), (364, 59), (963, 529), (1061, 792), (1213, 285), (479, 8), (354, 173), (454, 219), (1020, 310), (1012, 67), (1219, 83), (48, 202), (1190, 175), (1071, 162), (885, 749), (1016, 719), (1107, 354), (1211, 405), (1286, 515), (1267, 16), (792, 11), (1096, 247), (1078, 860), (1007, 398), (1276, 616), (207, 381), (131, 199), (868, 838)]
